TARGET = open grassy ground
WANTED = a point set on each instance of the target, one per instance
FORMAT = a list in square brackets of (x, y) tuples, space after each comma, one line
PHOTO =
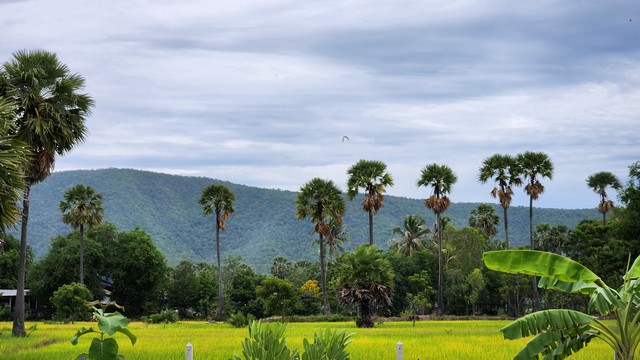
[(428, 340)]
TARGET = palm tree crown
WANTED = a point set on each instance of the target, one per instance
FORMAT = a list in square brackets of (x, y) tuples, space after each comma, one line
[(373, 178), (411, 236), (484, 218), (599, 182)]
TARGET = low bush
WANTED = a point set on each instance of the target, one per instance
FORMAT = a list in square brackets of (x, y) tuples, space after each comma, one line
[(164, 317)]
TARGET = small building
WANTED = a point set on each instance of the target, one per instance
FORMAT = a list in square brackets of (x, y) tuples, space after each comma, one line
[(10, 294)]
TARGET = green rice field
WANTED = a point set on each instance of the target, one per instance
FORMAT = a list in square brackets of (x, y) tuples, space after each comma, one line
[(427, 340)]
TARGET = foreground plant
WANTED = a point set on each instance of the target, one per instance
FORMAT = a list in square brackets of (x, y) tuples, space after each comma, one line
[(108, 324), (267, 342), (559, 332)]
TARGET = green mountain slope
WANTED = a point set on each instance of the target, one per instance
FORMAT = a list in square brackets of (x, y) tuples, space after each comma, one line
[(263, 226)]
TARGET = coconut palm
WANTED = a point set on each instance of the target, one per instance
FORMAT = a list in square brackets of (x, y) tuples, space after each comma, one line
[(440, 178), (373, 178), (534, 165), (599, 182), (50, 119), (218, 199), (504, 171), (484, 218), (320, 200), (411, 236), (81, 206), (364, 278), (13, 158)]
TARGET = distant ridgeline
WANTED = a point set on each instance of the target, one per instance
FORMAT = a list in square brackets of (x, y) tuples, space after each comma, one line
[(263, 226)]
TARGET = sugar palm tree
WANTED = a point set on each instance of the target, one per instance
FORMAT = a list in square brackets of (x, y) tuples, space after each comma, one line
[(484, 218), (13, 158), (320, 200), (504, 171), (218, 199), (534, 166), (336, 238), (599, 182), (373, 178), (440, 178), (411, 237), (81, 206), (50, 118), (365, 278)]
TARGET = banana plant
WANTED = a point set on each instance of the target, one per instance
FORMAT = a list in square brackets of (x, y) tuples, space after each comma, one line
[(559, 333)]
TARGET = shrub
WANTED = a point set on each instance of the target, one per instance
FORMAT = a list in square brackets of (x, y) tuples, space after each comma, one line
[(165, 316), (5, 313), (70, 302)]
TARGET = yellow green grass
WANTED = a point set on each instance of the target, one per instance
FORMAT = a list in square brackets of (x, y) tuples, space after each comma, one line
[(427, 340)]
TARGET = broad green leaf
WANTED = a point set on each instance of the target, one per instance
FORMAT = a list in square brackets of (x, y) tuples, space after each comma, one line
[(538, 263), (82, 357), (634, 271), (110, 324), (570, 287), (106, 349), (605, 300), (132, 337), (545, 321), (84, 330)]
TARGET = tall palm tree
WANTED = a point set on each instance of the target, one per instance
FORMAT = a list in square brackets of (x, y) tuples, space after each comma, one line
[(13, 158), (81, 206), (504, 171), (218, 199), (411, 236), (320, 200), (440, 178), (373, 178), (484, 218), (534, 166), (599, 182), (50, 119), (365, 278)]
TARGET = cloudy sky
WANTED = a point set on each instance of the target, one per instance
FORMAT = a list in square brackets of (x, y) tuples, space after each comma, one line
[(262, 92)]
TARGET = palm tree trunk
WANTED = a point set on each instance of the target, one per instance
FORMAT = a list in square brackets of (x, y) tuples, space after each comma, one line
[(604, 218), (440, 269), (534, 280), (220, 312), (18, 317), (506, 227), (370, 227), (81, 254), (323, 279)]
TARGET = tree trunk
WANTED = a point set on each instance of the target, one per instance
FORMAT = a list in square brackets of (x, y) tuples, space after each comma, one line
[(18, 316), (440, 268), (506, 228), (220, 312), (604, 218), (323, 279), (534, 280), (366, 316), (370, 227), (81, 254)]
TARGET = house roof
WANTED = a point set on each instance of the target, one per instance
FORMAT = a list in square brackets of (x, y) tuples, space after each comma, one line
[(11, 292)]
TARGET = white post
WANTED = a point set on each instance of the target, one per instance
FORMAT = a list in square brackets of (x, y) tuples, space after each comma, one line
[(189, 353), (399, 351)]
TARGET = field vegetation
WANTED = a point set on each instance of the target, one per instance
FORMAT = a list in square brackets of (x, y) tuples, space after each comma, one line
[(474, 339)]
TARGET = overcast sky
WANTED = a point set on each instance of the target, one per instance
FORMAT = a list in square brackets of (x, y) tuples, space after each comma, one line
[(262, 92)]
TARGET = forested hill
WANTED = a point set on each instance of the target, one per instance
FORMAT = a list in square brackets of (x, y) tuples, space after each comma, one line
[(263, 226)]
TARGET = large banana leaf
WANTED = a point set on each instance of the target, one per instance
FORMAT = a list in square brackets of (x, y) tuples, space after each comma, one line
[(539, 263), (546, 321), (634, 271)]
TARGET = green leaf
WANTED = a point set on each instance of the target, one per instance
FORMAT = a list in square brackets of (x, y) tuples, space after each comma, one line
[(82, 357), (538, 263), (106, 349), (74, 339), (132, 337), (570, 287), (112, 323), (634, 271), (545, 321), (556, 344)]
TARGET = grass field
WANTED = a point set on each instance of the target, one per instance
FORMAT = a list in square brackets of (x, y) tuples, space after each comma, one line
[(427, 340)]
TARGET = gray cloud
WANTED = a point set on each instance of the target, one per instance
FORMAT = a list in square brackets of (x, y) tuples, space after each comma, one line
[(262, 93)]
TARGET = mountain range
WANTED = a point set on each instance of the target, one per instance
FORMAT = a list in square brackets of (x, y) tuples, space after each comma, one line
[(263, 226)]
